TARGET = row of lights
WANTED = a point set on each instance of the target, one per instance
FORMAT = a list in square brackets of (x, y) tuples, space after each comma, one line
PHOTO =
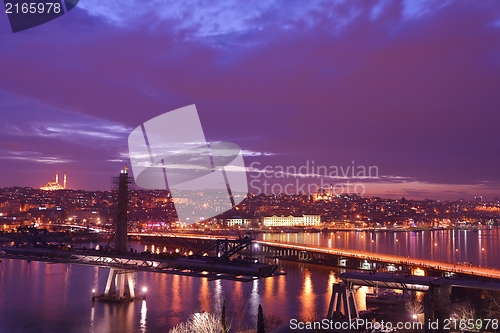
[(144, 290)]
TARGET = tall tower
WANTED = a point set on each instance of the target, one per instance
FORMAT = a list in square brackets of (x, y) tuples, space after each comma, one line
[(121, 221), (57, 177), (64, 180)]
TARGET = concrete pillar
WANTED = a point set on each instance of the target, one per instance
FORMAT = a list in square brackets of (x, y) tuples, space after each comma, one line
[(342, 304), (120, 285), (437, 305)]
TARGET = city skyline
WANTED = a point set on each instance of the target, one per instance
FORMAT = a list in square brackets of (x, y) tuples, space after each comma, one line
[(407, 87), (312, 186)]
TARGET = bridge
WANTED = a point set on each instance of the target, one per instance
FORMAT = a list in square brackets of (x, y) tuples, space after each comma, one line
[(412, 282), (378, 270), (437, 293), (222, 267), (226, 261), (372, 261)]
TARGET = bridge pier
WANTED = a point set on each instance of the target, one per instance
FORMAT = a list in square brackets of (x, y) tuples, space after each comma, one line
[(437, 305), (120, 286), (342, 304)]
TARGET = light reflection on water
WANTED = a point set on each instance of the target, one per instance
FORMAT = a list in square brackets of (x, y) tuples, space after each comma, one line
[(476, 247), (144, 315), (39, 297), (254, 298), (56, 299), (307, 297), (92, 318), (205, 298)]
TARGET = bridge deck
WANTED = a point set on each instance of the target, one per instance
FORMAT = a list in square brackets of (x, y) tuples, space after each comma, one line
[(391, 259), (411, 282), (208, 267)]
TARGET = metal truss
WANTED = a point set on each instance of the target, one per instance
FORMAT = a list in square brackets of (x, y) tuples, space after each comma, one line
[(207, 267)]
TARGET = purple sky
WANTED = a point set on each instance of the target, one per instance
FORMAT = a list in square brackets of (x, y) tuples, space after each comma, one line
[(411, 87)]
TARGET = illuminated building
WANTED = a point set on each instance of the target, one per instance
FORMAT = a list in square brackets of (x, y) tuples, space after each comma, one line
[(54, 185), (323, 194), (238, 221), (291, 221)]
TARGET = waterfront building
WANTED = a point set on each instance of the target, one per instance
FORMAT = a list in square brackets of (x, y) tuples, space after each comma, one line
[(304, 220)]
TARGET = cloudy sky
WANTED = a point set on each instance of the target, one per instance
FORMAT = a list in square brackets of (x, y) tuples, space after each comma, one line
[(412, 87)]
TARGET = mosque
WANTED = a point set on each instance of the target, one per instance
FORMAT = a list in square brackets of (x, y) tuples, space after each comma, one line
[(54, 185)]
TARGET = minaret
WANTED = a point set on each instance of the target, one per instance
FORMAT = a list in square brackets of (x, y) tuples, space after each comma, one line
[(64, 180), (57, 177)]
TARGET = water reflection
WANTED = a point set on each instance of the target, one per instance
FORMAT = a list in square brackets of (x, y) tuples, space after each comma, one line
[(281, 294), (92, 318), (268, 291), (204, 298), (144, 313), (217, 297), (57, 298), (307, 297), (254, 298), (176, 293), (332, 279), (445, 245), (67, 282)]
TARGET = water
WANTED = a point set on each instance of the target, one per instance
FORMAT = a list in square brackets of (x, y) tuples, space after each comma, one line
[(40, 297), (476, 247)]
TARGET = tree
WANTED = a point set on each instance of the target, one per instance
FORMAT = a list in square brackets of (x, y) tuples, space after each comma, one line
[(261, 328), (492, 306), (415, 308), (465, 311), (238, 312), (203, 322), (181, 328), (271, 321)]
